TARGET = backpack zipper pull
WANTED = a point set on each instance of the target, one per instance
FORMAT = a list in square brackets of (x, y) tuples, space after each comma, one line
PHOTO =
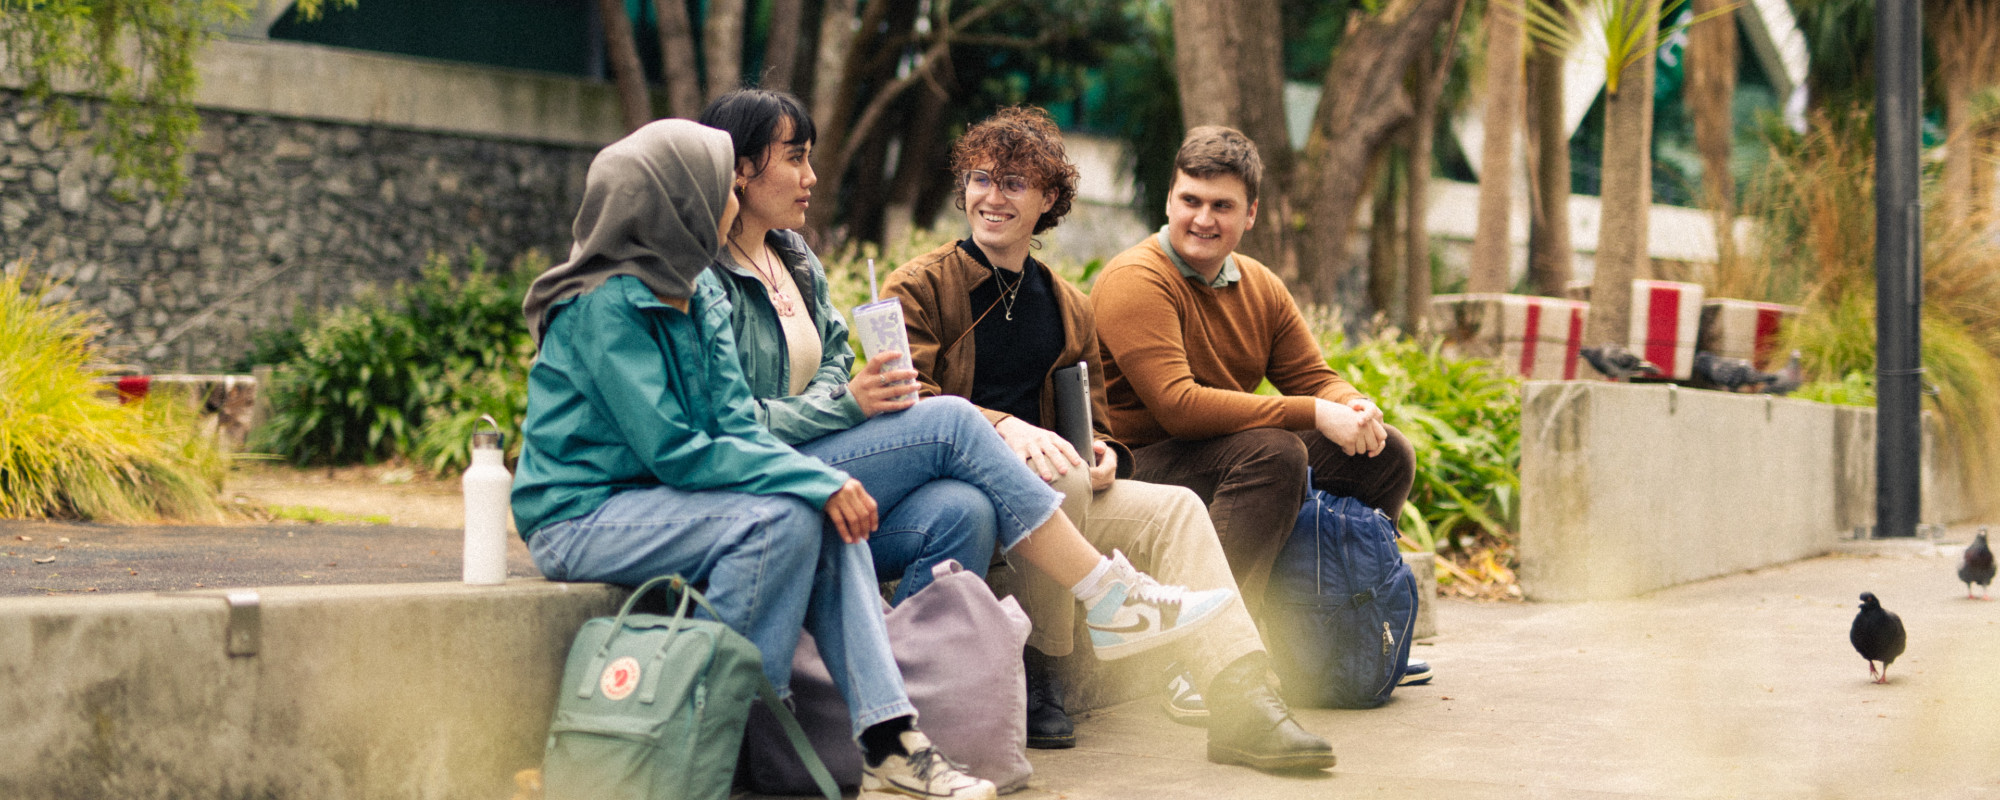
[(1388, 639)]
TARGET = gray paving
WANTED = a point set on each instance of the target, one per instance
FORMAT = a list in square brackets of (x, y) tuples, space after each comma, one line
[(68, 558), (1743, 686)]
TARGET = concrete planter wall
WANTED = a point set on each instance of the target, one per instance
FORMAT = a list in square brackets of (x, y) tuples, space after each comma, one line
[(435, 691), (1630, 488)]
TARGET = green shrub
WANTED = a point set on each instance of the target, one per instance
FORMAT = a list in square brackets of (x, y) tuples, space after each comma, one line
[(406, 375), (67, 452), (1464, 419)]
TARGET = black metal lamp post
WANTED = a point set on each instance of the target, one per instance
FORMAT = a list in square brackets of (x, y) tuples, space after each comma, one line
[(1899, 286)]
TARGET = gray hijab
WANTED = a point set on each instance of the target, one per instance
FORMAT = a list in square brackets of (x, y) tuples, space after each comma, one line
[(651, 204)]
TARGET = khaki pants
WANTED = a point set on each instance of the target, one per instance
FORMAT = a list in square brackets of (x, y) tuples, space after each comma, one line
[(1165, 532)]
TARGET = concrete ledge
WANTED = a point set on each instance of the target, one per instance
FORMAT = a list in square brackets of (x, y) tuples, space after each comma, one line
[(414, 690), (432, 690), (1630, 488), (328, 83)]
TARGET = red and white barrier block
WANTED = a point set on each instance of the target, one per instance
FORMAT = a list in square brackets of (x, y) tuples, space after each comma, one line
[(1745, 329), (1666, 322), (1533, 337)]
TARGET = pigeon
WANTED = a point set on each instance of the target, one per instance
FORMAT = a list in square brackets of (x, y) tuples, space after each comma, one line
[(1978, 567), (1877, 634), (1617, 363), (1790, 378), (1727, 374)]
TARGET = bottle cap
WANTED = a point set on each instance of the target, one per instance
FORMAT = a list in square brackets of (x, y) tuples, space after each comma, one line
[(488, 440)]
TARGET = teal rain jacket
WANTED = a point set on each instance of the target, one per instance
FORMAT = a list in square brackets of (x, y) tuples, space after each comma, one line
[(825, 406), (628, 392)]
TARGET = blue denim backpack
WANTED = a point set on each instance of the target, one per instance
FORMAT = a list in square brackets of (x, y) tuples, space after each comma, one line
[(1340, 606)]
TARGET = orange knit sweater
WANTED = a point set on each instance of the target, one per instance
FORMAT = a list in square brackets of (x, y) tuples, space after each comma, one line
[(1182, 360)]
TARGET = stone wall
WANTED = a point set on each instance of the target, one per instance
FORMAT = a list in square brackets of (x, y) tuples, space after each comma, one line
[(279, 215)]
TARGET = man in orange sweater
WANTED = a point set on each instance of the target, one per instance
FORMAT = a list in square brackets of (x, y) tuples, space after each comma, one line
[(1188, 329)]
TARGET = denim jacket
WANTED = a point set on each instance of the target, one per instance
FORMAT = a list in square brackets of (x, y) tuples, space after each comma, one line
[(628, 392), (825, 406)]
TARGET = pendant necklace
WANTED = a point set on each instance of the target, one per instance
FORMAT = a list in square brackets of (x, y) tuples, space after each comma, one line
[(779, 300), (1008, 294)]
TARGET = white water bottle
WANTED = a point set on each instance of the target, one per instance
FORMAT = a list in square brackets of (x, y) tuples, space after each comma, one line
[(487, 485)]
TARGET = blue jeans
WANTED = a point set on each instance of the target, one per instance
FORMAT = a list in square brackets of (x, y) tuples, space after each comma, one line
[(754, 552), (945, 486)]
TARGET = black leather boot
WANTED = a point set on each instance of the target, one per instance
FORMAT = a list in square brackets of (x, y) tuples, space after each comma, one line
[(1250, 725), (1049, 727)]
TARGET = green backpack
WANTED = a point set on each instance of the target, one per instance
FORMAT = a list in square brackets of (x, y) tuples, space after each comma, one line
[(654, 707)]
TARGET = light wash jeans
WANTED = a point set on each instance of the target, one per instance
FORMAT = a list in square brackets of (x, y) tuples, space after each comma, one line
[(945, 486), (755, 552)]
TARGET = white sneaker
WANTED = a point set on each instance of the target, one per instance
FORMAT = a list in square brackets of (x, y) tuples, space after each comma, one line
[(1132, 613), (923, 772)]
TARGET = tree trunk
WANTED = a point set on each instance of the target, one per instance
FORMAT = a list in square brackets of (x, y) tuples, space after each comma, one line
[(833, 94), (1432, 70), (1966, 37), (1711, 90), (1383, 264), (1623, 233), (917, 159), (1229, 61), (722, 40), (1491, 246), (1363, 104), (781, 49), (677, 63), (622, 49), (1549, 246)]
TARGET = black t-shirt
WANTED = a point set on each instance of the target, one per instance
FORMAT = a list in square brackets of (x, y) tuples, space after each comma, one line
[(1012, 357)]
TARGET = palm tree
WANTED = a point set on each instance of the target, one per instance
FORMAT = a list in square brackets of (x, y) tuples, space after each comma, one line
[(1490, 241), (1711, 86), (1625, 36), (1966, 37), (1549, 248)]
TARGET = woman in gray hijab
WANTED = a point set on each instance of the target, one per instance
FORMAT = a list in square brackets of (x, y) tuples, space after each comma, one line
[(640, 456)]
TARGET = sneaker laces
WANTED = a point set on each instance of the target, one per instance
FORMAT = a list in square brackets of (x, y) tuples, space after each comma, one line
[(926, 762), (1157, 593)]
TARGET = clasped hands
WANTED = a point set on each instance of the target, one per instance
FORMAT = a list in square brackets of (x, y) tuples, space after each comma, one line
[(1356, 425)]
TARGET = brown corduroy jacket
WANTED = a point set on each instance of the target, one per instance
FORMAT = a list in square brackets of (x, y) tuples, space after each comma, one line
[(936, 288)]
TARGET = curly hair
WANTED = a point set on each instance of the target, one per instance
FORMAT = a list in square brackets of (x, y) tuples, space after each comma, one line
[(1024, 141)]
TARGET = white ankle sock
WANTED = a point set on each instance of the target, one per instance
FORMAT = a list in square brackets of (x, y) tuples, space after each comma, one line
[(1091, 584)]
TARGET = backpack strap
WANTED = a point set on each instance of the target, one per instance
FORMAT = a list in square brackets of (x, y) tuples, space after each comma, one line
[(798, 737)]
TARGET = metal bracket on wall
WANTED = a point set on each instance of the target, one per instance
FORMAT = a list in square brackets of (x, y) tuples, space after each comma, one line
[(246, 627)]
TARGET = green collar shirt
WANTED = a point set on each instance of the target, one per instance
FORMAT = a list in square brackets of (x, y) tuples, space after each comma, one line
[(1228, 275)]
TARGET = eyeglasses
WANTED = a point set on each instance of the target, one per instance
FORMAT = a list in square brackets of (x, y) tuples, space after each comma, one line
[(979, 181)]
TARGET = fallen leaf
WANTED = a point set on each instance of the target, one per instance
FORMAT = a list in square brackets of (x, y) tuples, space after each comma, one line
[(132, 572), (62, 539), (49, 560), (25, 538)]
